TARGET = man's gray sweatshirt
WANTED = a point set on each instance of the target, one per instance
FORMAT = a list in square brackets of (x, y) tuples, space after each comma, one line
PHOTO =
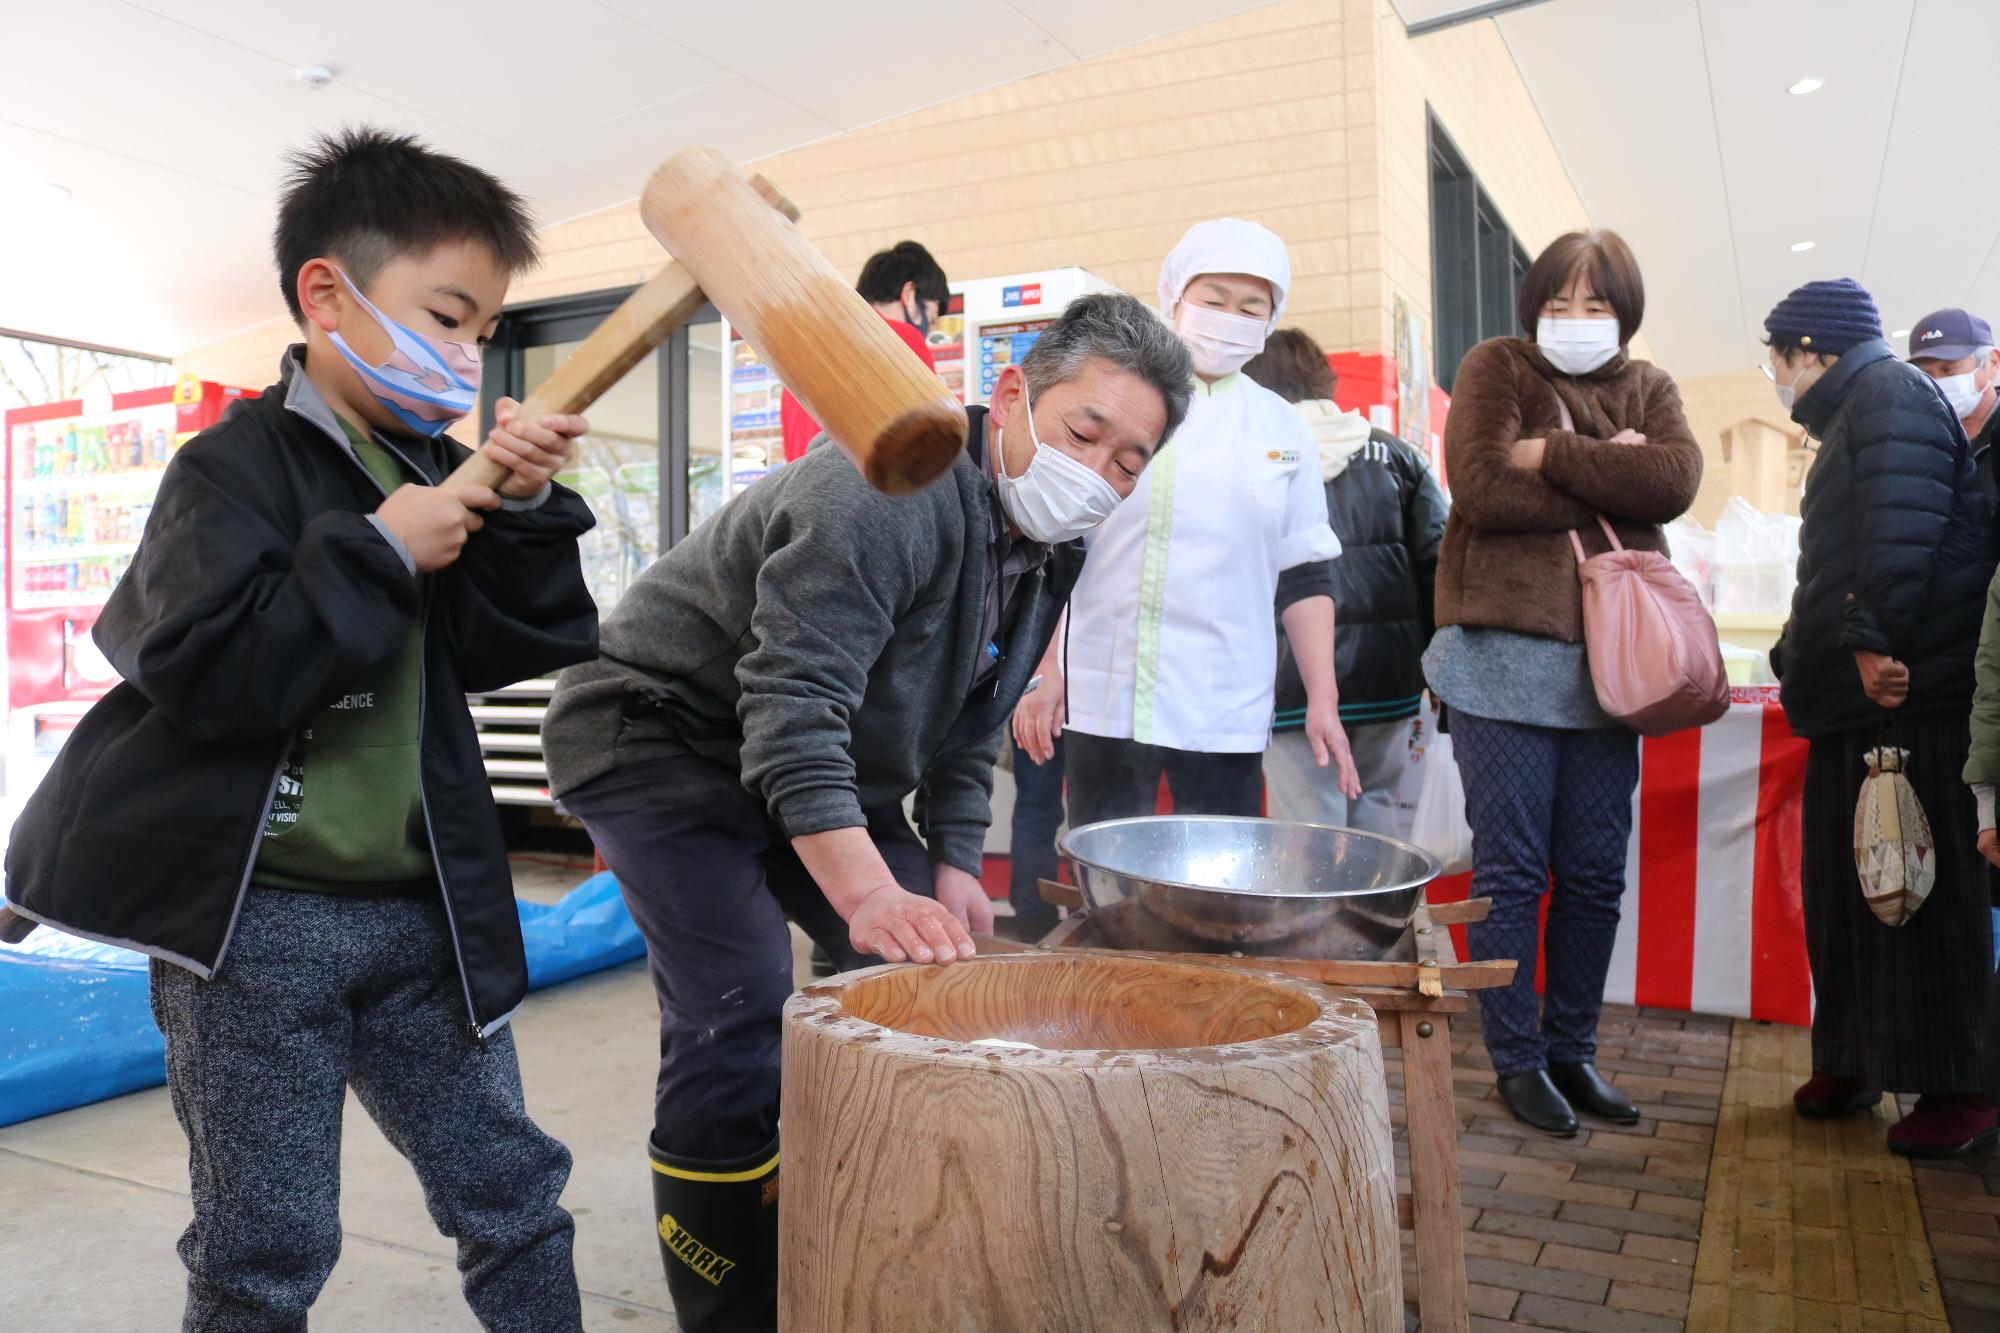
[(821, 638)]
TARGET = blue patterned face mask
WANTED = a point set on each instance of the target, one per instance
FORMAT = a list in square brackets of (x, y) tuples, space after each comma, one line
[(426, 383)]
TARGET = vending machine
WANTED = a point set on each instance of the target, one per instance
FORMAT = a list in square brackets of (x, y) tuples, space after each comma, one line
[(79, 484), (1002, 317), (988, 324)]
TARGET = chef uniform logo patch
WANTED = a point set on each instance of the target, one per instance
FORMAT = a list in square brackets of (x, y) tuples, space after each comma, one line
[(1282, 455)]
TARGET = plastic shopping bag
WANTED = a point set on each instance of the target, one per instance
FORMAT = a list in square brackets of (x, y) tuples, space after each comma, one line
[(1440, 827)]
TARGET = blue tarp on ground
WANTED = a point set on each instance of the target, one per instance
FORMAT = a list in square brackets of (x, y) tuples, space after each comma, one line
[(76, 1026)]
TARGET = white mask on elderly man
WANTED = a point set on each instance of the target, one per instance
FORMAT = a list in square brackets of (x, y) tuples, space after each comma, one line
[(1963, 392), (1057, 499), (1577, 346), (1219, 342)]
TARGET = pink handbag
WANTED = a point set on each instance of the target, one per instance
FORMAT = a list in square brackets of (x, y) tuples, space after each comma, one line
[(1655, 660)]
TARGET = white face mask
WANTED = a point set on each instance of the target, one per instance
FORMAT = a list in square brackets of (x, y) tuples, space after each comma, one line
[(1788, 394), (1218, 341), (1057, 499), (1963, 392), (1577, 346)]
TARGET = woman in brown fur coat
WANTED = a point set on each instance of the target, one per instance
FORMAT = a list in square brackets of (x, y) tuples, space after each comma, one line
[(1546, 433)]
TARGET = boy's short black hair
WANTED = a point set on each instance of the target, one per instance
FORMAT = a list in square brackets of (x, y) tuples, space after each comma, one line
[(883, 276), (369, 196)]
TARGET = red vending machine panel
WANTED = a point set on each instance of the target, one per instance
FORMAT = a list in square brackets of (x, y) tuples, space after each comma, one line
[(79, 486)]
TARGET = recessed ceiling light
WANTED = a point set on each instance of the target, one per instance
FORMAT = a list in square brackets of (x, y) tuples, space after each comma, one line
[(1800, 247), (39, 194), (1804, 86), (1900, 333)]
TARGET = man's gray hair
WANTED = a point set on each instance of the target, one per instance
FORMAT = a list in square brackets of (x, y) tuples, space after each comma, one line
[(1123, 331)]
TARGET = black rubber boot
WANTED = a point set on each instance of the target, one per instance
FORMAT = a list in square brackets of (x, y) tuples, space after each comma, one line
[(718, 1228)]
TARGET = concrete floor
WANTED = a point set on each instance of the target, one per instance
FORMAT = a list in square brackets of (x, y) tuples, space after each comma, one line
[(92, 1200)]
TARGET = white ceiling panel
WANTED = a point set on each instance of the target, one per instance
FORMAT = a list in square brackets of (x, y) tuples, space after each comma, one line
[(1657, 182), (731, 115), (1714, 169), (94, 71), (441, 58), (246, 146), (867, 60), (1802, 168), (1430, 11), (1936, 213), (168, 120), (1087, 29)]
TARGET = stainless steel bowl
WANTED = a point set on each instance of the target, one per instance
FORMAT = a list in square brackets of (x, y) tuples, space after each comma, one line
[(1210, 884)]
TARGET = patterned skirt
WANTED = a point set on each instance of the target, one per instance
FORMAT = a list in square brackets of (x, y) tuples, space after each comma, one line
[(1902, 1007)]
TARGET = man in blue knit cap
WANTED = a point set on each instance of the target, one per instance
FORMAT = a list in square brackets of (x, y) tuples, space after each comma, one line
[(1878, 652)]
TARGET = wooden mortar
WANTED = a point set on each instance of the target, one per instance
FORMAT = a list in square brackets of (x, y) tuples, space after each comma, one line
[(1183, 1147)]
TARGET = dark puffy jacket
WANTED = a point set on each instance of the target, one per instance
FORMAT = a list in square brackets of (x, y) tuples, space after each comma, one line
[(1894, 555), (259, 592), (1387, 510)]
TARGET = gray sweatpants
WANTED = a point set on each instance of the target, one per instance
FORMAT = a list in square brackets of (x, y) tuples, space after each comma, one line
[(1298, 789), (317, 993)]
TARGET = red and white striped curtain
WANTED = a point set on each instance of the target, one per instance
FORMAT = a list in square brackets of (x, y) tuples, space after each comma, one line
[(1712, 920)]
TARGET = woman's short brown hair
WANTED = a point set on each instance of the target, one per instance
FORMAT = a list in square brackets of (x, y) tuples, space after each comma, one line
[(1293, 367), (1604, 256)]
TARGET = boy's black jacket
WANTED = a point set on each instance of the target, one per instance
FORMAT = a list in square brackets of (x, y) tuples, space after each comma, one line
[(260, 590)]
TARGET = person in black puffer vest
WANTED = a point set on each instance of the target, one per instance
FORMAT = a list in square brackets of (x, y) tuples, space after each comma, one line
[(1893, 569), (1387, 510)]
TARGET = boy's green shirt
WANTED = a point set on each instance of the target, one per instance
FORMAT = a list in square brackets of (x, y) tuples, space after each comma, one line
[(348, 814)]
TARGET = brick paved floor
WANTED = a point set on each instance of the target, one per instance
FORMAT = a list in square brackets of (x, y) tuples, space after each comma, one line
[(1598, 1233), (1961, 1204)]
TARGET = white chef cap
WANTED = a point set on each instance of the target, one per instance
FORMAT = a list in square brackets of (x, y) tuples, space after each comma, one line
[(1227, 245)]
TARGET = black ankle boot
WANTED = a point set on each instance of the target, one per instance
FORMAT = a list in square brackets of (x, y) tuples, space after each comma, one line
[(1535, 1101), (1588, 1091), (718, 1228)]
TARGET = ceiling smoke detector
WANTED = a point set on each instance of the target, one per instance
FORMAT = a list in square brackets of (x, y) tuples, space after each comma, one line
[(315, 77)]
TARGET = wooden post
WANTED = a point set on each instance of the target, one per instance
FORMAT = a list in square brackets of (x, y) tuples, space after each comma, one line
[(1157, 1145)]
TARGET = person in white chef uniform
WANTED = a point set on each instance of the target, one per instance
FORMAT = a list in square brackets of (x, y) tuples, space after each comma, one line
[(1168, 659)]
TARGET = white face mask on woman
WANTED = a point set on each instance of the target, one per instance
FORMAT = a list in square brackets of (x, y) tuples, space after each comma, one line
[(1219, 342), (1057, 498), (1577, 346)]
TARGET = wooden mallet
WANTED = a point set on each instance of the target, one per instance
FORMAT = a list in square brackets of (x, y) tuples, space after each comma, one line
[(628, 335), (874, 398), (737, 247)]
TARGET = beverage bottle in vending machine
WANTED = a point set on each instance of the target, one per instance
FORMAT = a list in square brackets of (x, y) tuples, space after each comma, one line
[(135, 439), (159, 448)]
